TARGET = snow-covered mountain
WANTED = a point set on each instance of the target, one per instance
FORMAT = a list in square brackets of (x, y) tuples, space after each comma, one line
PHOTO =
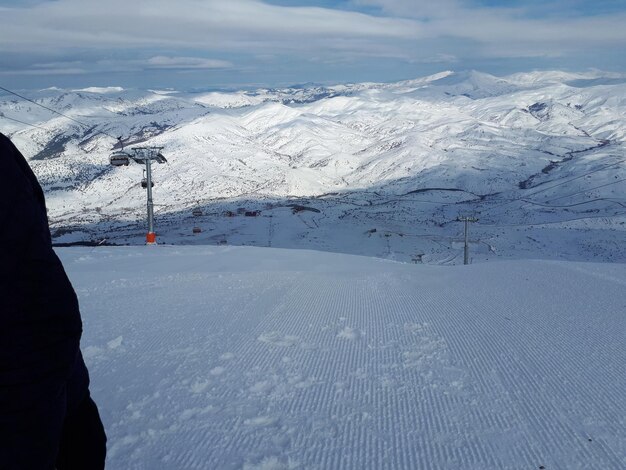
[(371, 168)]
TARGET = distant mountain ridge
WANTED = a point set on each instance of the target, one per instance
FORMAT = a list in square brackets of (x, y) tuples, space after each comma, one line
[(534, 148)]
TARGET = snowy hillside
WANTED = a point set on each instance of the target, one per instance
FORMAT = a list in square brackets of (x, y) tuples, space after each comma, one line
[(242, 357), (387, 168)]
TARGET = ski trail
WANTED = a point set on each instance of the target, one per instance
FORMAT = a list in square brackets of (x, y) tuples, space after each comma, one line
[(535, 385), (221, 361)]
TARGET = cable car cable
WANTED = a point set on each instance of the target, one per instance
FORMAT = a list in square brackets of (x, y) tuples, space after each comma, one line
[(586, 190), (54, 111), (2, 115)]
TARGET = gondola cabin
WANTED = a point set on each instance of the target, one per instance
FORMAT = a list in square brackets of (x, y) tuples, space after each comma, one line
[(119, 159), (197, 230), (144, 183), (197, 212)]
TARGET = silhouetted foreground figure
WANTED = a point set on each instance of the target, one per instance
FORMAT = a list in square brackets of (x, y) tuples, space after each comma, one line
[(47, 418)]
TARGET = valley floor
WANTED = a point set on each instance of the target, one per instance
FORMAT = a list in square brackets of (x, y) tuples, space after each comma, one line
[(241, 357)]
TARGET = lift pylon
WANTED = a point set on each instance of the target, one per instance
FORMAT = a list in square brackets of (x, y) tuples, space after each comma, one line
[(144, 156)]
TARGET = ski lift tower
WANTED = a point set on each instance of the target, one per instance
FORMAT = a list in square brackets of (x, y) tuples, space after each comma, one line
[(144, 156)]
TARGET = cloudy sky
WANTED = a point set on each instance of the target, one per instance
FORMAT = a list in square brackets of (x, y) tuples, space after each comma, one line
[(189, 44)]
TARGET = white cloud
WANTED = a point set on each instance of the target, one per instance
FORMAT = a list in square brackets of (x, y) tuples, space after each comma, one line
[(163, 62), (210, 24), (413, 8), (500, 28), (49, 68), (252, 24), (43, 72), (215, 34), (133, 65)]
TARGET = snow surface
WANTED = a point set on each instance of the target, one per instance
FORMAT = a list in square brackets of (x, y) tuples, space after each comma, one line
[(261, 358)]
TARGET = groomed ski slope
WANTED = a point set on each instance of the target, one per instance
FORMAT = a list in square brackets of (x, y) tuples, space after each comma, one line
[(258, 358)]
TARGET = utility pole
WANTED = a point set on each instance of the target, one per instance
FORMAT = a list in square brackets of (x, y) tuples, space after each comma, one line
[(467, 221), (143, 156)]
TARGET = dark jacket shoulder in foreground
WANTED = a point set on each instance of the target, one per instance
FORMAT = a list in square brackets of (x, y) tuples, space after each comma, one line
[(40, 325)]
